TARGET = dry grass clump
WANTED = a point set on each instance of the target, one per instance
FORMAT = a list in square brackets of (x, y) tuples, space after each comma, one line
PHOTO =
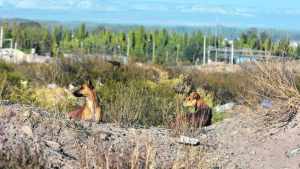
[(276, 81), (140, 153), (225, 87), (273, 79), (138, 102), (3, 81), (190, 157)]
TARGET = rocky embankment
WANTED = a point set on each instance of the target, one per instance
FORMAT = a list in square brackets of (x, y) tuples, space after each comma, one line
[(33, 138)]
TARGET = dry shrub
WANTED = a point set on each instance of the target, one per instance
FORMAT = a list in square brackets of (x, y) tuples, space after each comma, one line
[(64, 71), (276, 81), (132, 94), (126, 95), (135, 154), (3, 81), (225, 87), (57, 99), (138, 102), (190, 157)]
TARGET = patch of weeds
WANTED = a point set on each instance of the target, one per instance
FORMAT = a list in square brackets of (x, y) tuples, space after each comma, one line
[(218, 116)]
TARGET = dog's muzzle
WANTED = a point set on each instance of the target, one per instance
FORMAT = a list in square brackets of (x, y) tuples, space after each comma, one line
[(77, 93)]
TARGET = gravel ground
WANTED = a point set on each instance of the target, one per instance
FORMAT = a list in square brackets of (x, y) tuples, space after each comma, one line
[(243, 142), (31, 138)]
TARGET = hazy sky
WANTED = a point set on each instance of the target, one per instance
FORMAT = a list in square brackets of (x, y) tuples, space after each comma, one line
[(282, 14)]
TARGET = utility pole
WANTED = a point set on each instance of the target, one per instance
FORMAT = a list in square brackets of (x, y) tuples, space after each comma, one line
[(11, 43), (208, 56), (232, 51), (1, 37), (216, 51), (128, 46), (204, 50), (81, 47), (153, 49), (177, 52), (225, 55), (167, 57), (216, 41)]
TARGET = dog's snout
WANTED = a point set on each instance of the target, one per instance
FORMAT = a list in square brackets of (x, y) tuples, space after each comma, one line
[(77, 93)]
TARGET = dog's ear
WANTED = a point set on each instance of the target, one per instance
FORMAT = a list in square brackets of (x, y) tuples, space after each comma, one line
[(90, 83)]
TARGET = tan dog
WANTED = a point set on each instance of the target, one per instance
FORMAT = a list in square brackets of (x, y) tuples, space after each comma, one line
[(201, 115), (91, 110)]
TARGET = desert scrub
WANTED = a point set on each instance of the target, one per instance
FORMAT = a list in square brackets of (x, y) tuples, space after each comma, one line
[(218, 116), (138, 102), (66, 71), (225, 87), (3, 81), (272, 79), (55, 99), (9, 79), (275, 81), (131, 94), (21, 94)]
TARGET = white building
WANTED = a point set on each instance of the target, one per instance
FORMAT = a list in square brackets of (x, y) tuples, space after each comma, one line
[(294, 44)]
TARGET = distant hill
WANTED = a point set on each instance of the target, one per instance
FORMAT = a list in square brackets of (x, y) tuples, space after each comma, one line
[(227, 32)]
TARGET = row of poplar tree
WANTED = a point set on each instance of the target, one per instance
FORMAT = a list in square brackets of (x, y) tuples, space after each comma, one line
[(159, 46)]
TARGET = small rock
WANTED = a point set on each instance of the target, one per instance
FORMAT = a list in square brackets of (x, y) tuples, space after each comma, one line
[(52, 86), (54, 145), (188, 140), (26, 114), (293, 152), (216, 167), (27, 130), (104, 136), (225, 107), (266, 104)]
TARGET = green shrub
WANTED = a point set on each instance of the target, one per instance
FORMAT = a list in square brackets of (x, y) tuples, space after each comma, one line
[(218, 116), (131, 94), (3, 83), (136, 102), (21, 94), (4, 67)]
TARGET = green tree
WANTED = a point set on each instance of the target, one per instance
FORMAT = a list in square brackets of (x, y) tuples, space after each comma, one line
[(81, 32)]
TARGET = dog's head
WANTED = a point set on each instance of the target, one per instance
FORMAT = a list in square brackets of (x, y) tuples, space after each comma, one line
[(191, 100), (85, 90)]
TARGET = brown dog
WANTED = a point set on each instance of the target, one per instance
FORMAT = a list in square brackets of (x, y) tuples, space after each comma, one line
[(91, 110), (202, 114)]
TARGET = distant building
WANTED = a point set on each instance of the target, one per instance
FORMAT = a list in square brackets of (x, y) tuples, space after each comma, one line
[(17, 56), (294, 44)]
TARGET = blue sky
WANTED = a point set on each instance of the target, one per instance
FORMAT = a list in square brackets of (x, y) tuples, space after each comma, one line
[(281, 14)]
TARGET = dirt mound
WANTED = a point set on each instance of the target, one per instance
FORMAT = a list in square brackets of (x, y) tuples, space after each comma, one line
[(31, 138)]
